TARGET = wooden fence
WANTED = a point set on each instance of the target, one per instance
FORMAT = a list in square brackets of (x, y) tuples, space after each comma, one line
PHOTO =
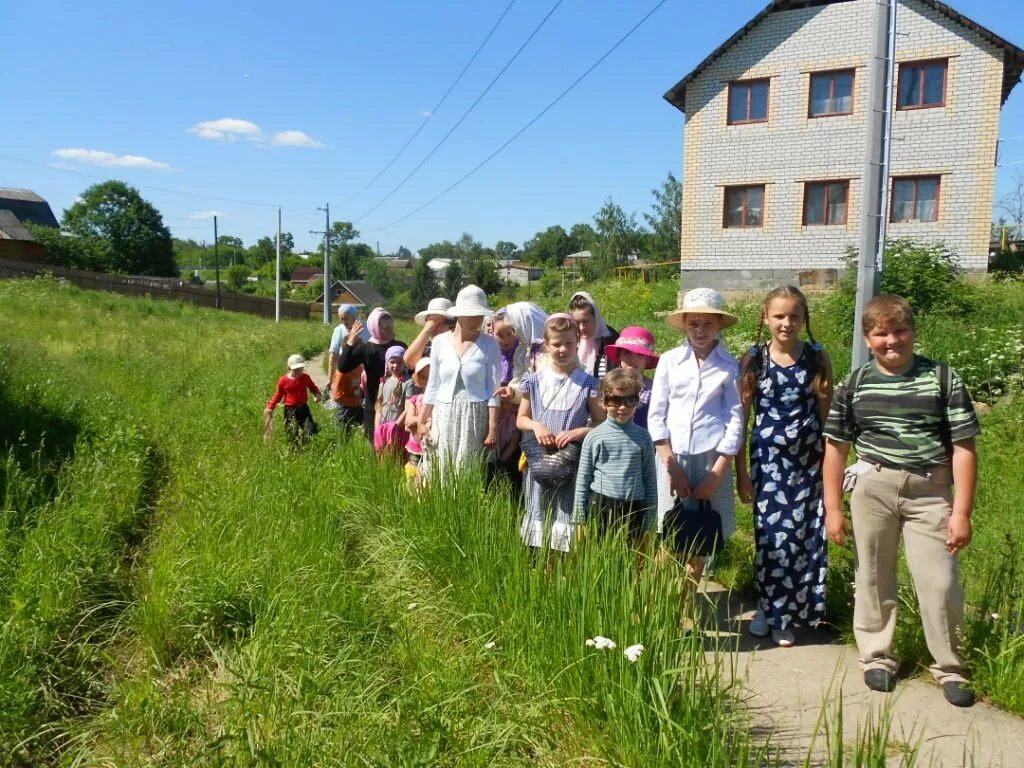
[(170, 288)]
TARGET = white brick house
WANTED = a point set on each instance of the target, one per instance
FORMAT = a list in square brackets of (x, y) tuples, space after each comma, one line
[(774, 139)]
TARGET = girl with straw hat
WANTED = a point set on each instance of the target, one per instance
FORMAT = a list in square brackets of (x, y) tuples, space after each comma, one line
[(695, 418)]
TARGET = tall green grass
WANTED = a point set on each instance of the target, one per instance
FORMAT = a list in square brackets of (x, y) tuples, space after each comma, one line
[(192, 597)]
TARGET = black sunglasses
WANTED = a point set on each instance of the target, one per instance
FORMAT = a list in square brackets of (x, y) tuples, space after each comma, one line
[(627, 400)]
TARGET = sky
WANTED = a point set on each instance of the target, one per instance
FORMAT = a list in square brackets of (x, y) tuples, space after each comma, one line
[(211, 107)]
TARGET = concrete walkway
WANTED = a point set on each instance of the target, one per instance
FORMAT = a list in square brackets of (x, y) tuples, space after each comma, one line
[(787, 688)]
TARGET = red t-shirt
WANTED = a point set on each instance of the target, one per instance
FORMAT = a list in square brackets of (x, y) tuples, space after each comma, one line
[(292, 390)]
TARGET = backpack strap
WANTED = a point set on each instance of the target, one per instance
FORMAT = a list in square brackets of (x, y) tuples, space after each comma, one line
[(945, 376), (855, 381)]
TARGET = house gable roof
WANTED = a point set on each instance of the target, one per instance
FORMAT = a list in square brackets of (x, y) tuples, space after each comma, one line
[(307, 274), (368, 295), (1013, 57), (11, 228), (27, 207)]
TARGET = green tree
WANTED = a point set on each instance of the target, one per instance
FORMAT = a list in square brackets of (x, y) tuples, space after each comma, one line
[(505, 251), (137, 240), (664, 220), (549, 248), (424, 283), (235, 276), (378, 274), (402, 253), (618, 238), (443, 250), (88, 253), (453, 279), (265, 249)]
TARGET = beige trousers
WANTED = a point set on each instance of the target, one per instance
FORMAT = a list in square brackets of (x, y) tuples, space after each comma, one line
[(885, 504)]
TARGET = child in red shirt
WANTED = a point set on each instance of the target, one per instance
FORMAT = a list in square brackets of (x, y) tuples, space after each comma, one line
[(292, 388)]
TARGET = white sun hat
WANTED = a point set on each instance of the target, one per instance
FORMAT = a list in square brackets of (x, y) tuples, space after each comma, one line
[(701, 301), (471, 302), (423, 362), (438, 306), (296, 361)]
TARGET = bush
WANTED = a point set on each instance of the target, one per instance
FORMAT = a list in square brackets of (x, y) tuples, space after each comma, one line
[(926, 275), (1007, 265)]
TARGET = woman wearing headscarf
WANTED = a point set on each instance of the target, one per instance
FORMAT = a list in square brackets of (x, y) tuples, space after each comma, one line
[(370, 354), (595, 334)]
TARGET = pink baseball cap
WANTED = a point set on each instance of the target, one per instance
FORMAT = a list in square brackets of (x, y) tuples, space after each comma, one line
[(633, 339)]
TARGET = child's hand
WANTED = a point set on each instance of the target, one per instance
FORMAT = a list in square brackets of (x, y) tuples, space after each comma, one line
[(491, 440), (569, 436), (544, 436), (835, 527), (958, 532), (706, 488), (677, 480), (745, 488), (505, 393)]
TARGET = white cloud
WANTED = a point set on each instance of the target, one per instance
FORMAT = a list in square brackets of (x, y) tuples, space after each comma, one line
[(204, 215), (426, 113), (99, 157), (226, 129), (294, 139)]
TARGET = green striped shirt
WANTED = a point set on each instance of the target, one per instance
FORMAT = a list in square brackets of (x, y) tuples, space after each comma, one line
[(617, 460), (901, 421)]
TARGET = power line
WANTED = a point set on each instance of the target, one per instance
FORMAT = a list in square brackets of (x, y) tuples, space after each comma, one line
[(464, 114), (523, 130), (437, 106)]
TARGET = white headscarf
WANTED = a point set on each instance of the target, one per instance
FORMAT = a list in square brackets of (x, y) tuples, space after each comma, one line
[(588, 347), (527, 319)]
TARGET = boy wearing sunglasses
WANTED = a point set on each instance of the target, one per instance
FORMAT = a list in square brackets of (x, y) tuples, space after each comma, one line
[(616, 482)]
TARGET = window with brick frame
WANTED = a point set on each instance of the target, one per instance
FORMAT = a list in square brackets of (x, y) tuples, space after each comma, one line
[(826, 202), (922, 84), (831, 93), (744, 206), (915, 198), (748, 101)]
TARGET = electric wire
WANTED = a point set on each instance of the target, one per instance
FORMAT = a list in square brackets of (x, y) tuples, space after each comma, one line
[(436, 107), (464, 115), (526, 127)]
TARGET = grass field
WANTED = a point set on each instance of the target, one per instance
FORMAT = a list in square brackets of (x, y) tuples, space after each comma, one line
[(176, 593)]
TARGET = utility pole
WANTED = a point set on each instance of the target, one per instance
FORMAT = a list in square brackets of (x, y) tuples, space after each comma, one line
[(327, 262), (277, 275), (871, 249), (216, 260)]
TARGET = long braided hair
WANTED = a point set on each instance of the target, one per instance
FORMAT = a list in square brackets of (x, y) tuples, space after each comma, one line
[(756, 361)]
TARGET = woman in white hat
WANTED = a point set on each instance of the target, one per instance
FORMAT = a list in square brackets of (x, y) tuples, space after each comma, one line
[(435, 321), (695, 417), (460, 405)]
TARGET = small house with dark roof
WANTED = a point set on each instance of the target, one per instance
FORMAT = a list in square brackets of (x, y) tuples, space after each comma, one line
[(776, 129), (18, 209), (303, 276)]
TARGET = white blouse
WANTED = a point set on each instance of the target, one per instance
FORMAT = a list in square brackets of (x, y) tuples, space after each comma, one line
[(697, 408), (480, 366)]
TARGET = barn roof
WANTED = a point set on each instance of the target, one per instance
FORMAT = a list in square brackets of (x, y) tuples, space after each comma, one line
[(27, 207)]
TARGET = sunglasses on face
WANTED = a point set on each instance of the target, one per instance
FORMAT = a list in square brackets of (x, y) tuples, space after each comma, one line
[(629, 401)]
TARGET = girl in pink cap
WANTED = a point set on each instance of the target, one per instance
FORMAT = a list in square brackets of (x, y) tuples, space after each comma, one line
[(634, 350)]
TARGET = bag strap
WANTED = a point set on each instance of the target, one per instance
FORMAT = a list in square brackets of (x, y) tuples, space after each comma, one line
[(855, 381), (945, 376)]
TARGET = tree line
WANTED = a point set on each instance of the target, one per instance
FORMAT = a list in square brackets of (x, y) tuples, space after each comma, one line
[(111, 228)]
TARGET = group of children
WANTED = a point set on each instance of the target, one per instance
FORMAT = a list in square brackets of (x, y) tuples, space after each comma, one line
[(648, 455)]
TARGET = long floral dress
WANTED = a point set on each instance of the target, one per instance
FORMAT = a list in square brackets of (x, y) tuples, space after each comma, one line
[(786, 450)]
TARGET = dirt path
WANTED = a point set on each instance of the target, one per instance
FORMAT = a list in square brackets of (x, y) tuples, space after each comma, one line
[(316, 368), (787, 687)]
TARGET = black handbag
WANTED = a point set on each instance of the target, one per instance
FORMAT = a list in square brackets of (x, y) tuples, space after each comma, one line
[(551, 467), (697, 531)]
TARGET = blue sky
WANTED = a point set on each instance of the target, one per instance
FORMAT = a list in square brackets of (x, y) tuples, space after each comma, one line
[(302, 104)]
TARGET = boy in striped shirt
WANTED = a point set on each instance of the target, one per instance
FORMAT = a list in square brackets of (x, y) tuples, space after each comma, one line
[(616, 479), (914, 427)]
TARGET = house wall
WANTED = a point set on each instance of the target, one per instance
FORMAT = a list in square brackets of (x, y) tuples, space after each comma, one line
[(957, 141)]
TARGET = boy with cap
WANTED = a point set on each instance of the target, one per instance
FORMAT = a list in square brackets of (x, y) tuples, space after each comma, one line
[(293, 388)]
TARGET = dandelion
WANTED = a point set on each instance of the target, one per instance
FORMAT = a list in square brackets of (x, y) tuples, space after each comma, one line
[(490, 646), (412, 606), (633, 652), (601, 643)]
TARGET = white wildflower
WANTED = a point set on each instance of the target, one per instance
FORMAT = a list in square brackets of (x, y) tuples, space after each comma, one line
[(412, 606), (489, 646), (590, 643), (601, 643), (633, 652), (995, 617)]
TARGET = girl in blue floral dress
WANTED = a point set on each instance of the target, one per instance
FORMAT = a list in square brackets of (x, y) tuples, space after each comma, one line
[(788, 384)]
